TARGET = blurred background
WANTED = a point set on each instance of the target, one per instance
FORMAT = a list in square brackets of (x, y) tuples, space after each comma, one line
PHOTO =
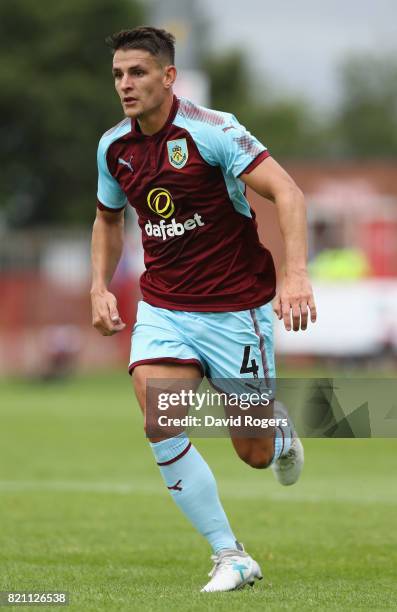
[(317, 85)]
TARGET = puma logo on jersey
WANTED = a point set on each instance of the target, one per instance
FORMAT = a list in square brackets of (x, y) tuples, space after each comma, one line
[(125, 163), (176, 487)]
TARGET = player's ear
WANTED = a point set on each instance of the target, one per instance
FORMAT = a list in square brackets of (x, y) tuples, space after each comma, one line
[(169, 76)]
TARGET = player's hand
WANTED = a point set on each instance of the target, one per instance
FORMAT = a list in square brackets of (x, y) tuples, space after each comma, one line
[(105, 316), (295, 297)]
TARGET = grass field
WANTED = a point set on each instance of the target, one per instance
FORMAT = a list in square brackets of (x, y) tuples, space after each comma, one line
[(83, 509)]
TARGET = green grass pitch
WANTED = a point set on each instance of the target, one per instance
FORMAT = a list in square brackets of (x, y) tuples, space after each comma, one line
[(83, 509)]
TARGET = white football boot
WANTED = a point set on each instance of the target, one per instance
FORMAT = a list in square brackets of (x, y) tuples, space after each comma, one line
[(287, 468), (233, 569)]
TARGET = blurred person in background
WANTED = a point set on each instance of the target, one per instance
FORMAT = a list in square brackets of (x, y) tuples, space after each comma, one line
[(209, 282), (60, 345)]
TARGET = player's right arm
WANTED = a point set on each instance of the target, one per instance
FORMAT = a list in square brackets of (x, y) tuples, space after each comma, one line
[(107, 245), (106, 249)]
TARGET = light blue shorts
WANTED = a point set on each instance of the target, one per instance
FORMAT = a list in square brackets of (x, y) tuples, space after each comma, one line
[(223, 344)]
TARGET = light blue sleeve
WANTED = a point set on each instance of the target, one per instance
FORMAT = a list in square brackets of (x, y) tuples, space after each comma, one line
[(232, 147), (109, 192)]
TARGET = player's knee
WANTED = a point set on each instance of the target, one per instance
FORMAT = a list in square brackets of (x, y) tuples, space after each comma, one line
[(258, 456), (260, 460)]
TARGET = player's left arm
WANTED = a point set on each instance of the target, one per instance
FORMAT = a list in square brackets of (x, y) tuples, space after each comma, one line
[(295, 295)]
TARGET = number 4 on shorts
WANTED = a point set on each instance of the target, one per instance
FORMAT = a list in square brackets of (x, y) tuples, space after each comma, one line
[(253, 368)]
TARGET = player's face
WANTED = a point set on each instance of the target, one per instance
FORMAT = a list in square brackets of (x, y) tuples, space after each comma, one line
[(141, 81)]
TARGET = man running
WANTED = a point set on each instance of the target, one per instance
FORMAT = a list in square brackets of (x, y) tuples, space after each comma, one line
[(208, 284)]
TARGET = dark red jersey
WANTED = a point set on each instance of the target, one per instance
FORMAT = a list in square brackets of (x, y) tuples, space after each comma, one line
[(199, 234)]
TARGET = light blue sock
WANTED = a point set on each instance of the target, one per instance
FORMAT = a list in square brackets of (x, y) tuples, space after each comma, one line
[(282, 433), (193, 487), (282, 441)]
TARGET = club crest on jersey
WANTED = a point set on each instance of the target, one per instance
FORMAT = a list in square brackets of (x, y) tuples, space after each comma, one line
[(178, 153)]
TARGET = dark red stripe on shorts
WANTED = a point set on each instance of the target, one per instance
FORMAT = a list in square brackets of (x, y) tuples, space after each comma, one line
[(160, 360), (185, 450), (261, 344)]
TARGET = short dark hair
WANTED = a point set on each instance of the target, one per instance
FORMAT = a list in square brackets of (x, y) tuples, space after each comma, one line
[(157, 42)]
